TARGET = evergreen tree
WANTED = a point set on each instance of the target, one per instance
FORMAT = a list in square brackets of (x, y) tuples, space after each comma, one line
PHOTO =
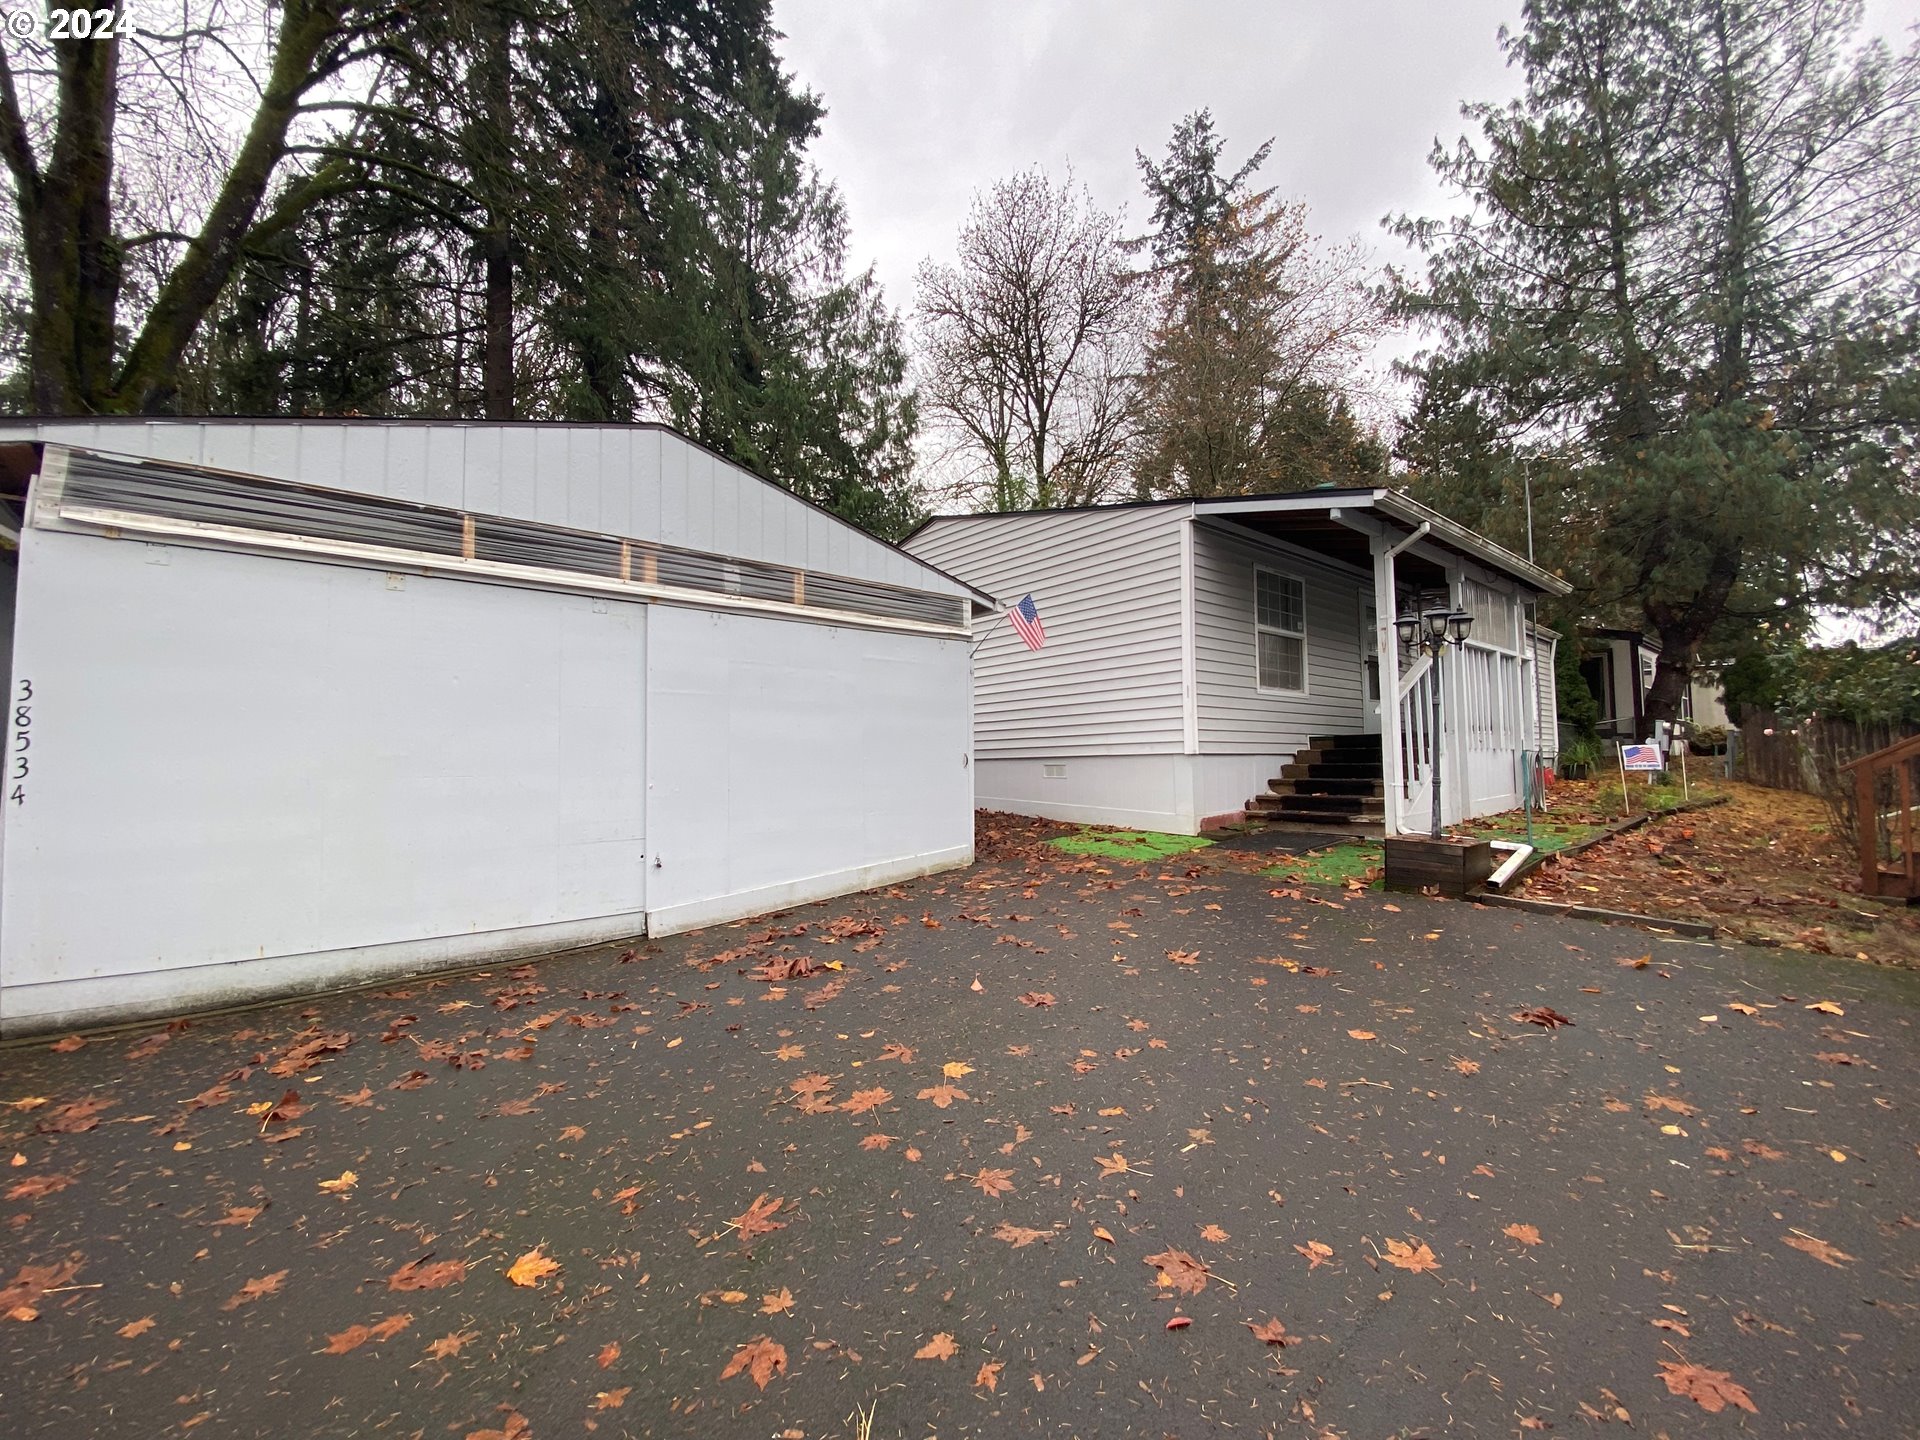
[(1258, 336), (1685, 288)]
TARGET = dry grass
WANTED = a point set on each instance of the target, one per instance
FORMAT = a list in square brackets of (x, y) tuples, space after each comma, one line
[(1765, 867)]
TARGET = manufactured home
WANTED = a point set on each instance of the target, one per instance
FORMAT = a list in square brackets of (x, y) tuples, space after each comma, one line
[(306, 702), (1208, 659), (1618, 667)]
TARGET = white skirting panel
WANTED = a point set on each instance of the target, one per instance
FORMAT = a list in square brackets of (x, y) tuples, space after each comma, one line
[(1169, 793)]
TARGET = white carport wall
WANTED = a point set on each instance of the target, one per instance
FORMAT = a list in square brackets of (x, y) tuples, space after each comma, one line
[(293, 727)]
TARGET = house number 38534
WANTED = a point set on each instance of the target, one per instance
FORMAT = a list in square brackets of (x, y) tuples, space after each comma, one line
[(17, 766)]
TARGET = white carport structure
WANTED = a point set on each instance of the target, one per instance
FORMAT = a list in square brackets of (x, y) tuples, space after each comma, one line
[(1490, 687), (302, 703)]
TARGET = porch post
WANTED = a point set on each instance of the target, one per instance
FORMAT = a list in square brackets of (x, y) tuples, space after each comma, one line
[(1388, 651)]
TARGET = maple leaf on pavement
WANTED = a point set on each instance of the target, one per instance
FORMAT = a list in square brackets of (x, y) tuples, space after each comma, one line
[(1213, 1234), (790, 1052), (758, 1219), (1525, 1234), (1114, 1164), (1179, 1271), (1711, 1390), (450, 1344), (354, 1336), (1184, 957), (777, 1303), (20, 1296), (1019, 1236), (419, 1275), (1410, 1257), (1317, 1254), (1465, 1066), (993, 1183), (1038, 999), (943, 1095), (1271, 1331), (135, 1328), (811, 1084), (1820, 1250), (989, 1375), (940, 1347), (761, 1358), (254, 1289), (514, 1427), (862, 1101), (894, 1050), (35, 1185), (1545, 1016), (956, 1069), (531, 1268), (877, 1141)]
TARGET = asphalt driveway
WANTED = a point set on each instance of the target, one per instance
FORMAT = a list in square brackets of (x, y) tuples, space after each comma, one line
[(1053, 1146)]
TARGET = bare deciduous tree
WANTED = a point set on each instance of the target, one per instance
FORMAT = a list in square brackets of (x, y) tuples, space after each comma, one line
[(1029, 346)]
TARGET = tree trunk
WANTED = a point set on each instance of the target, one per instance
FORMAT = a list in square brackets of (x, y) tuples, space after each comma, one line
[(496, 244), (497, 354)]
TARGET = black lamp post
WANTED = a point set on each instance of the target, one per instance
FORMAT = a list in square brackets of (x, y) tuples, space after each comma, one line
[(1432, 631)]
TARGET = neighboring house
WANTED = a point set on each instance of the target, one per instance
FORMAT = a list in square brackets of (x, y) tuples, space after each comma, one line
[(1619, 665), (299, 703), (1205, 658)]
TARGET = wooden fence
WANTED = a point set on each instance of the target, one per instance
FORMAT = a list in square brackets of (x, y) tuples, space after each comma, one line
[(1806, 755)]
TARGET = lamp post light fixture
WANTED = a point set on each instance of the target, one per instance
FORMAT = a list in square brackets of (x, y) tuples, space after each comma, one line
[(1432, 632)]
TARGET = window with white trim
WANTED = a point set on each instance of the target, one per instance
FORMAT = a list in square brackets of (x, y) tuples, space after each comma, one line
[(1280, 631)]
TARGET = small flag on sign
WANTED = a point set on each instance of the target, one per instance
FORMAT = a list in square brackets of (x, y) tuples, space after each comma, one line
[(1641, 757), (1026, 619)]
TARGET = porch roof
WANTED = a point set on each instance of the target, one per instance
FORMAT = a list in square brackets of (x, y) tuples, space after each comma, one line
[(1336, 522), (1325, 521)]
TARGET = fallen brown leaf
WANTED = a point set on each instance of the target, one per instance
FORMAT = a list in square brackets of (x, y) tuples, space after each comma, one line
[(940, 1347), (761, 1358)]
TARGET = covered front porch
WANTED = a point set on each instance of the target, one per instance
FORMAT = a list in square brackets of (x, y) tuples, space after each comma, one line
[(1485, 739)]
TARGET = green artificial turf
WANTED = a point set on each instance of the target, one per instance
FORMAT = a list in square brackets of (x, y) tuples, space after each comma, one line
[(1349, 860), (1137, 845)]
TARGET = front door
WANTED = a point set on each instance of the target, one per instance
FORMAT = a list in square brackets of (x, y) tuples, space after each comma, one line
[(1369, 670)]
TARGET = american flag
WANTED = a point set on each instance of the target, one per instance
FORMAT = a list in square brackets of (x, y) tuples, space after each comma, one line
[(1026, 619)]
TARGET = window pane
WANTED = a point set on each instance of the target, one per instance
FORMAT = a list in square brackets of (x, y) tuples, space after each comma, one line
[(1294, 605), (1280, 662), (1268, 592), (1281, 601)]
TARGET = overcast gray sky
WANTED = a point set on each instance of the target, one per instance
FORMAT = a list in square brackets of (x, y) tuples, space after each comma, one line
[(930, 101)]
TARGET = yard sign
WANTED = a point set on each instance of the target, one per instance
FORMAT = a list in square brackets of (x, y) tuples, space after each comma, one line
[(1641, 757)]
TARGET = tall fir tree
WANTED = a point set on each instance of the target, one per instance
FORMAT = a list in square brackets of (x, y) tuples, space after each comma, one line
[(1681, 304)]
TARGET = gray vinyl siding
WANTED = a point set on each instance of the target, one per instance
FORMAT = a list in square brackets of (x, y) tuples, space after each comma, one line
[(1107, 584), (1236, 716), (640, 481), (1546, 694)]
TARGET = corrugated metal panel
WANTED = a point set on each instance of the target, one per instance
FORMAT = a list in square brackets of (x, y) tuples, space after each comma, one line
[(1107, 585), (112, 494), (1235, 714), (668, 489)]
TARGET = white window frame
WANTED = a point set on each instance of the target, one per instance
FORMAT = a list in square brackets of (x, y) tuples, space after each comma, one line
[(1259, 629)]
